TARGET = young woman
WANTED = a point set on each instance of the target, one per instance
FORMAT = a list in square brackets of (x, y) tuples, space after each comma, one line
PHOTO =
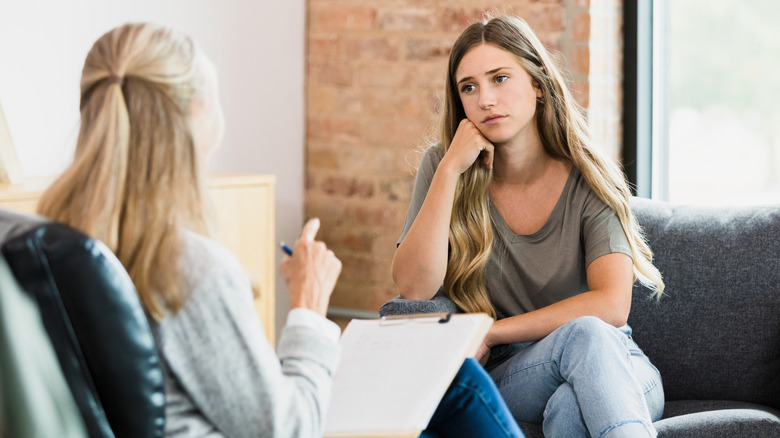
[(150, 115), (518, 215)]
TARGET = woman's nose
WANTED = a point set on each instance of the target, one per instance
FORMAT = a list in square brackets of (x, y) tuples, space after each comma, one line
[(487, 99)]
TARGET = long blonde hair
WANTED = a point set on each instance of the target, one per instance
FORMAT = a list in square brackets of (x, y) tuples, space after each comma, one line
[(136, 178), (564, 134)]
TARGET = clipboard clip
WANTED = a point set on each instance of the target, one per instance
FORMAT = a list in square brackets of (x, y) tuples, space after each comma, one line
[(441, 318)]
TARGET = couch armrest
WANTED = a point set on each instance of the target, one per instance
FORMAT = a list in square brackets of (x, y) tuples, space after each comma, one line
[(401, 306)]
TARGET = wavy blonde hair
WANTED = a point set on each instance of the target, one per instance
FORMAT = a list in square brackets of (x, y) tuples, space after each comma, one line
[(136, 178), (564, 134)]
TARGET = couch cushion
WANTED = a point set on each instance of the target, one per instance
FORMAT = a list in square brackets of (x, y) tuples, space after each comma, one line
[(400, 306), (708, 418), (715, 335)]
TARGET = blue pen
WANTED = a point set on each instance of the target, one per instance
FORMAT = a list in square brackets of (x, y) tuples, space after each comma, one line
[(287, 250)]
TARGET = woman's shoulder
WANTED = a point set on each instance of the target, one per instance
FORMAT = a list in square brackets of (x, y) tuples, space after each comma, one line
[(428, 158), (432, 153), (204, 261), (581, 190)]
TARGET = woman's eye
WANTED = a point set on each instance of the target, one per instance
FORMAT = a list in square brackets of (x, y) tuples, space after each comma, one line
[(467, 89), (501, 78)]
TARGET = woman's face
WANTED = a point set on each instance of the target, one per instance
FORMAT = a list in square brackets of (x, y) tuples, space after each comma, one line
[(497, 93), (208, 122)]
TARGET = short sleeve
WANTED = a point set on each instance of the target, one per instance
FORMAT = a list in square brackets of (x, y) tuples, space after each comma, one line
[(602, 233), (422, 182)]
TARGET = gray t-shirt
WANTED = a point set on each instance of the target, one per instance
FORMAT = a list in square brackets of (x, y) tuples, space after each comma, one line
[(528, 272)]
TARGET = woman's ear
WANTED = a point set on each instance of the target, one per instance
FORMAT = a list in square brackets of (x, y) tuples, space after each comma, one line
[(537, 88)]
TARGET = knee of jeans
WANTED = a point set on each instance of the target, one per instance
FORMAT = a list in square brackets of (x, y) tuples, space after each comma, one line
[(588, 325), (592, 331)]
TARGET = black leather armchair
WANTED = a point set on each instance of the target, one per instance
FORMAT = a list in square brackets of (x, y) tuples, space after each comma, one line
[(97, 326)]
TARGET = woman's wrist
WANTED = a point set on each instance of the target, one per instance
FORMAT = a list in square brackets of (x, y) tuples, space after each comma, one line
[(447, 170), (489, 341)]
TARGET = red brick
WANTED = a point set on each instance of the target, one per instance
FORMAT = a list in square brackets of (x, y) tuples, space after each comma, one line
[(385, 74), (545, 18), (430, 74), (330, 128), (394, 132), (383, 102), (324, 207), (334, 100), (356, 268), (580, 27), (580, 60), (371, 48), (347, 186), (457, 19), (397, 189), (352, 296), (322, 159), (329, 17), (428, 48), (348, 239), (323, 48), (331, 73), (407, 19), (380, 216)]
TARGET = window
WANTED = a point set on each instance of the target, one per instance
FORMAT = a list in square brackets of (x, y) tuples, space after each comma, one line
[(709, 73)]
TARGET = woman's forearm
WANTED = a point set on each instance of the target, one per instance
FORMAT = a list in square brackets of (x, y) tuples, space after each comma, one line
[(535, 325), (420, 262)]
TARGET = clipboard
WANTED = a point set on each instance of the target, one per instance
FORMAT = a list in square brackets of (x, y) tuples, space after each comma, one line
[(394, 371)]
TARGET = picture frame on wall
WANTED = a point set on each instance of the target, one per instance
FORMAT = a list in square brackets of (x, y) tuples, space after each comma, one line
[(10, 170)]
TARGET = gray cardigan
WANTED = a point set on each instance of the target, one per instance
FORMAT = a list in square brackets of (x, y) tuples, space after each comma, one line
[(222, 376)]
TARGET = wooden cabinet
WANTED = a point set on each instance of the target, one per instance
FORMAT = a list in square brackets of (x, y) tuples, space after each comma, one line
[(244, 209), (244, 205)]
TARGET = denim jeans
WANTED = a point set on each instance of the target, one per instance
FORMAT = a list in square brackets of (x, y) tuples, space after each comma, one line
[(587, 378), (472, 407)]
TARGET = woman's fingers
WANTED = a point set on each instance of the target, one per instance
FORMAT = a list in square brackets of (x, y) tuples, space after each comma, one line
[(310, 229), (487, 155), (469, 145)]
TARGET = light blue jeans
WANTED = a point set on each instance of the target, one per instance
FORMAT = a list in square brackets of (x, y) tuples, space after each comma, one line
[(587, 378)]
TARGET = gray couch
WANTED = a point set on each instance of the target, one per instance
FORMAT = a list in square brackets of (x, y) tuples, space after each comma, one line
[(715, 335)]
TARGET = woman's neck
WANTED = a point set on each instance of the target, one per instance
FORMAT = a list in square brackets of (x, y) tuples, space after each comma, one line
[(521, 162)]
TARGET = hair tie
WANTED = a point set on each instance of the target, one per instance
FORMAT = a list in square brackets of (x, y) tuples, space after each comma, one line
[(115, 79)]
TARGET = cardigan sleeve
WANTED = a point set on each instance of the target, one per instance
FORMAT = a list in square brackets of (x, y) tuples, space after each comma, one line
[(216, 349)]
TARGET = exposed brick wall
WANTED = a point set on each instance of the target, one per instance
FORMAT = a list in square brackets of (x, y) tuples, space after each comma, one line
[(375, 74)]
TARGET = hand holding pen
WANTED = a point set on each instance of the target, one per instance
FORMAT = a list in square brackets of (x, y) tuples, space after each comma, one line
[(310, 270)]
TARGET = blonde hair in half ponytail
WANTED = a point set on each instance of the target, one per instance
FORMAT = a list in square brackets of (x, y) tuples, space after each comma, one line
[(136, 177), (564, 134)]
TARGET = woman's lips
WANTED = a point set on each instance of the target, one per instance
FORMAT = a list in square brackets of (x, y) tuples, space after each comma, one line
[(493, 119)]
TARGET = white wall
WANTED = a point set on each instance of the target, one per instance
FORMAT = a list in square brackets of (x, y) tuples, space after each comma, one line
[(257, 46)]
